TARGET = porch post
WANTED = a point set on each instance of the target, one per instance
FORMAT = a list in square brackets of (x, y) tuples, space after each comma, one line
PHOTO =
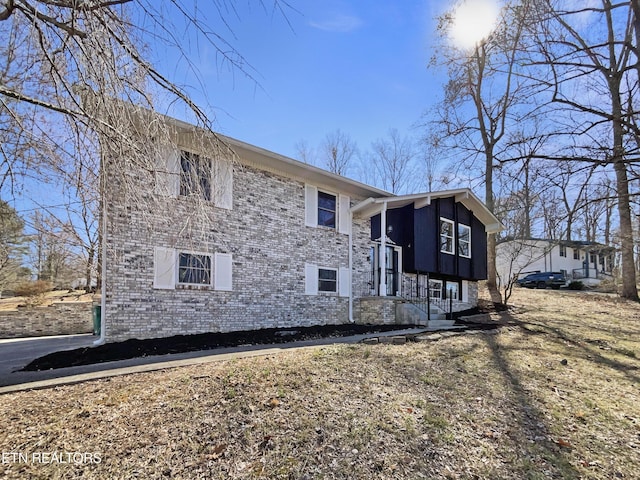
[(383, 251)]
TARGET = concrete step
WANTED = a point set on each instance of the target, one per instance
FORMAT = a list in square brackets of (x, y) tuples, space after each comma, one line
[(440, 323)]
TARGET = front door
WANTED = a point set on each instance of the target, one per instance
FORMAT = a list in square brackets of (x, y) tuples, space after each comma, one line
[(392, 260)]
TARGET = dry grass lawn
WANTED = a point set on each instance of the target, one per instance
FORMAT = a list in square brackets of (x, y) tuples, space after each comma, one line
[(12, 303), (555, 396)]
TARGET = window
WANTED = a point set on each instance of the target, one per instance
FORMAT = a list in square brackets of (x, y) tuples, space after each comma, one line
[(195, 175), (172, 268), (194, 269), (446, 236), (327, 280), (576, 254), (464, 240), (452, 290), (563, 250), (435, 289), (326, 209)]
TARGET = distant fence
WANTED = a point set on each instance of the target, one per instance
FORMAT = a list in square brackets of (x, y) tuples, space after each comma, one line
[(60, 318)]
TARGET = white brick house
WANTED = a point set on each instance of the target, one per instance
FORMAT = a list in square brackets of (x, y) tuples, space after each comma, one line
[(589, 262), (284, 245)]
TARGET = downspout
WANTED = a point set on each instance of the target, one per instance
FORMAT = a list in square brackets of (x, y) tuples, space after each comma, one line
[(382, 254), (103, 286), (350, 257), (103, 267)]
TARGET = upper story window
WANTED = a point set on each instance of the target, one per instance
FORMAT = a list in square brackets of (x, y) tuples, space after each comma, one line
[(194, 269), (326, 209), (563, 250), (195, 175), (576, 254), (446, 236), (464, 240)]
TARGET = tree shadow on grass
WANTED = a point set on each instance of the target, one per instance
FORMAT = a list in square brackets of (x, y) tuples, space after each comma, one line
[(591, 349), (547, 453)]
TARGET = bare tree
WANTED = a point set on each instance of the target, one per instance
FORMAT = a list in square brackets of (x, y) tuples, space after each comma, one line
[(12, 245), (591, 49), (85, 64), (392, 158), (337, 151), (305, 153), (514, 257), (481, 101)]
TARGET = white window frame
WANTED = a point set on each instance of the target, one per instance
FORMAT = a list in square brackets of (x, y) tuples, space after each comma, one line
[(456, 289), (562, 250), (166, 270), (461, 242), (200, 254), (328, 269), (335, 209), (312, 207), (433, 288), (203, 167), (452, 236)]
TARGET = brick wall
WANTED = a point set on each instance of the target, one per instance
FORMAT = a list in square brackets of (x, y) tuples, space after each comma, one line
[(266, 234), (60, 318), (376, 310)]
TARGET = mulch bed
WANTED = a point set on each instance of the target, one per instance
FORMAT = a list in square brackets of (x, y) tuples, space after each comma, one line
[(191, 343), (206, 341)]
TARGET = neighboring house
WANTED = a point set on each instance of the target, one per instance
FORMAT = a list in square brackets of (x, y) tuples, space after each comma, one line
[(589, 262), (289, 245)]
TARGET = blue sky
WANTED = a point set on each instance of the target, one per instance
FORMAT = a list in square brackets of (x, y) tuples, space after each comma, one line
[(355, 65)]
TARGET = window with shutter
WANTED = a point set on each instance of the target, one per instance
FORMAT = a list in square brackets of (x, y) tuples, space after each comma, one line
[(327, 209)]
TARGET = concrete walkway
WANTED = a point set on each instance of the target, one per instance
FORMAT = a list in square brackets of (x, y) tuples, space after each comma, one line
[(15, 354)]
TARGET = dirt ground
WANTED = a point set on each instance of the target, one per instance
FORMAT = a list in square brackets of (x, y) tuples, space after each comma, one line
[(556, 394)]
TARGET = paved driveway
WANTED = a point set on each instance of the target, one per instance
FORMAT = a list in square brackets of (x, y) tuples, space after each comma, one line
[(16, 353)]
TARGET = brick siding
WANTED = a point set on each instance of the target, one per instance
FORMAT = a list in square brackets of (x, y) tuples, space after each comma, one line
[(60, 318), (266, 234)]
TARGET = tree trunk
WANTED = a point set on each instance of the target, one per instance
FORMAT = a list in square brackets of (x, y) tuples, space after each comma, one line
[(91, 256)]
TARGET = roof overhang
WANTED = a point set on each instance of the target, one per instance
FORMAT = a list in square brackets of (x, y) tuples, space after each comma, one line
[(187, 135), (277, 163), (373, 206)]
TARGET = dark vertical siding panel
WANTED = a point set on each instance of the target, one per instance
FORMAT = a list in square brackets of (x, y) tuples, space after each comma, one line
[(425, 239), (375, 227), (479, 250)]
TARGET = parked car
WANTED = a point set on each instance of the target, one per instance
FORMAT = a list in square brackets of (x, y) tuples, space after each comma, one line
[(543, 280)]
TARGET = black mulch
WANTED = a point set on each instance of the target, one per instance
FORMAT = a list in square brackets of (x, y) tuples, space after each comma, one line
[(206, 341), (190, 343)]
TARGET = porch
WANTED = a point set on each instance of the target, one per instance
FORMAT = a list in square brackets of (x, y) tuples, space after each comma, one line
[(411, 299)]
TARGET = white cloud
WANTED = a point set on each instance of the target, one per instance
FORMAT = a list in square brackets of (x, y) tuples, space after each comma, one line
[(338, 23)]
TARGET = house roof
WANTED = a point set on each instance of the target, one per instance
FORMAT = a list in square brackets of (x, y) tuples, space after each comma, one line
[(373, 206), (264, 159), (583, 244), (375, 197), (300, 170)]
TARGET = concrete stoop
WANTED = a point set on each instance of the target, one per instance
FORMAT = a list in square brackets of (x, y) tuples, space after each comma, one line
[(410, 314)]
